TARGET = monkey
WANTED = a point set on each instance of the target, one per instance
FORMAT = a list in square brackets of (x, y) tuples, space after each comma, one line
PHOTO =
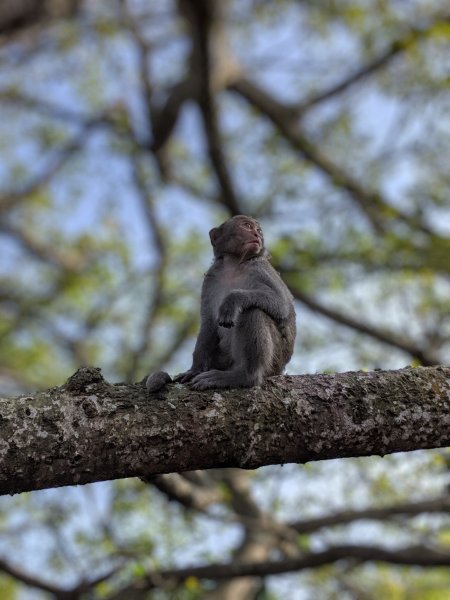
[(247, 326)]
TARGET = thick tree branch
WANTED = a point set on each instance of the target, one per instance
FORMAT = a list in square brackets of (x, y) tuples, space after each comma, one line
[(89, 430)]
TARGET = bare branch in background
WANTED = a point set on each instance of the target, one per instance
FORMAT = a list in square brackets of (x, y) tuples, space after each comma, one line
[(38, 249), (440, 505), (418, 556), (55, 111), (372, 67), (178, 488), (384, 336), (18, 15), (156, 301), (152, 116), (29, 580), (206, 20), (372, 204), (59, 592), (179, 337), (63, 155)]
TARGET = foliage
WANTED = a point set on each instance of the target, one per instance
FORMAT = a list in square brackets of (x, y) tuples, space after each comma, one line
[(119, 150)]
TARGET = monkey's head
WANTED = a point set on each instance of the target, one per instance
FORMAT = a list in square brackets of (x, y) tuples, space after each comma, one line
[(240, 236)]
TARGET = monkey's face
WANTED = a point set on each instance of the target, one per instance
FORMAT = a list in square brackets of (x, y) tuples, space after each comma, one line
[(239, 236)]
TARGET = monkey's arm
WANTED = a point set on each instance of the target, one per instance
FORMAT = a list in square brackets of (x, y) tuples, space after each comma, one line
[(271, 301)]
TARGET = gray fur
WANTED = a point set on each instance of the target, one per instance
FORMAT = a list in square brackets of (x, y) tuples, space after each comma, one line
[(156, 381), (247, 329)]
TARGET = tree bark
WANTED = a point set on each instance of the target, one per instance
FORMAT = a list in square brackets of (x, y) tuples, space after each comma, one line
[(90, 430)]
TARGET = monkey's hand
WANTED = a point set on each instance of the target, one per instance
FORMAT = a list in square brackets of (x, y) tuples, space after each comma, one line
[(228, 312)]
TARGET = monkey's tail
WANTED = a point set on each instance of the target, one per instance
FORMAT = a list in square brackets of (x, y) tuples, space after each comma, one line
[(156, 381)]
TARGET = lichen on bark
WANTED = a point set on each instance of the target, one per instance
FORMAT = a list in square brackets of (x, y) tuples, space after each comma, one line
[(91, 430)]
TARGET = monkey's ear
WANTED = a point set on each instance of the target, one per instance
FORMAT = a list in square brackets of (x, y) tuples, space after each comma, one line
[(213, 235)]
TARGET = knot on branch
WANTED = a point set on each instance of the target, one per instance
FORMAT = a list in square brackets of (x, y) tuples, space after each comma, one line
[(82, 378)]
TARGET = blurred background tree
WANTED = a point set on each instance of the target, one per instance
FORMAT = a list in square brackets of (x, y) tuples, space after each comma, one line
[(127, 130)]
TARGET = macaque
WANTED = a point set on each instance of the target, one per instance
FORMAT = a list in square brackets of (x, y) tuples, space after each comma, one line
[(247, 328)]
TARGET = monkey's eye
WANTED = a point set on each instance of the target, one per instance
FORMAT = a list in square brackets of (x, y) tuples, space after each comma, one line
[(248, 225), (259, 230)]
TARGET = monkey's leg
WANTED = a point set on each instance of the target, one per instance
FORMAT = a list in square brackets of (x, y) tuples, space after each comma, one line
[(255, 345)]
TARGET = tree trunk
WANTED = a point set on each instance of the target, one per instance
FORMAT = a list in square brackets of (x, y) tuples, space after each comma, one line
[(90, 430)]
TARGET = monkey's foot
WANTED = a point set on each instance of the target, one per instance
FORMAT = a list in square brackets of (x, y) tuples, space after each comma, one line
[(186, 376), (220, 379)]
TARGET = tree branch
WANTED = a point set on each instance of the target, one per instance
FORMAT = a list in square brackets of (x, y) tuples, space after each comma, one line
[(178, 489), (39, 250), (384, 336), (372, 67), (89, 430), (19, 15), (43, 107), (206, 22), (62, 156), (410, 509), (396, 47), (420, 556), (29, 580), (159, 247), (376, 208), (60, 593)]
